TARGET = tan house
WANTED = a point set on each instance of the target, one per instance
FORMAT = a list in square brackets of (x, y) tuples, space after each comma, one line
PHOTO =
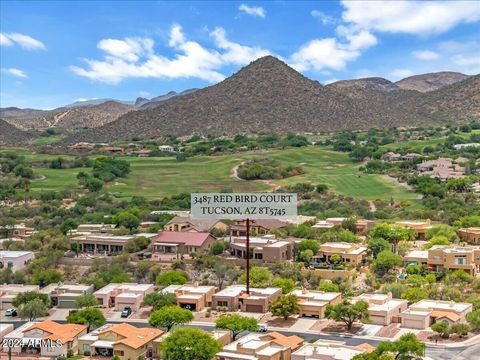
[(104, 244), (383, 309), (265, 249), (123, 340), (15, 260), (8, 292), (271, 346), (257, 227), (65, 295), (426, 312), (182, 243), (180, 223), (349, 252), (441, 168), (47, 338), (329, 350), (123, 295), (192, 297), (235, 298), (470, 235), (314, 303), (420, 227), (447, 258)]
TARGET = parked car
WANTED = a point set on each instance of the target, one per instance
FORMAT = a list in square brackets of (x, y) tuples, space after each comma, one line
[(126, 312), (262, 328), (11, 312)]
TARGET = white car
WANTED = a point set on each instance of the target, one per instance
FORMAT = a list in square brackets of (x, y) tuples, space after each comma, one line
[(11, 312)]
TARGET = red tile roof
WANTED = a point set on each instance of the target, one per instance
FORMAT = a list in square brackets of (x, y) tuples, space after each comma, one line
[(178, 237)]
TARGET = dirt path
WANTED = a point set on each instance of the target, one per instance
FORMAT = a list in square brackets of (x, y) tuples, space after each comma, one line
[(234, 175)]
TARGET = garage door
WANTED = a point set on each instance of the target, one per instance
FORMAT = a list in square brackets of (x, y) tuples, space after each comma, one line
[(378, 320), (413, 324), (254, 308), (191, 307)]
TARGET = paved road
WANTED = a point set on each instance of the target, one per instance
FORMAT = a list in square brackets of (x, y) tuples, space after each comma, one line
[(435, 352)]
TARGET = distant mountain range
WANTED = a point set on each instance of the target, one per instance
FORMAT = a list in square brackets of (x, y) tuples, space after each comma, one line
[(268, 96)]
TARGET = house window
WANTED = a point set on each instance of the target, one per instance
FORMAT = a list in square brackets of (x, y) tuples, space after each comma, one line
[(118, 352), (86, 348), (259, 256), (461, 260), (436, 257), (222, 303), (10, 264)]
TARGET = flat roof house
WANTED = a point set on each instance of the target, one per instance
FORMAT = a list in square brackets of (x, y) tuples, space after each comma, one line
[(426, 312), (8, 292), (265, 249), (192, 297), (420, 227), (314, 303), (447, 258), (17, 230), (123, 295), (15, 260), (258, 227), (271, 346), (349, 252), (30, 335), (94, 228), (65, 295), (235, 298), (182, 243), (470, 235), (327, 350), (123, 340), (104, 243), (383, 309), (181, 223)]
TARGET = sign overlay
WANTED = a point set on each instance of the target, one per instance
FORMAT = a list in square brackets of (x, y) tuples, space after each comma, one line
[(237, 206)]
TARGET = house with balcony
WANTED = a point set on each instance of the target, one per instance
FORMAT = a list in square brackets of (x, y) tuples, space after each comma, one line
[(235, 298), (348, 252), (104, 244), (264, 249), (470, 235)]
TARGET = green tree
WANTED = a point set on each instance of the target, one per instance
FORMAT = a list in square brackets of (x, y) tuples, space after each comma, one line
[(217, 248), (189, 344), (348, 313), (436, 240), (169, 316), (92, 317), (305, 256), (45, 277), (442, 230), (286, 285), (236, 324), (157, 300), (460, 329), (473, 319), (173, 277), (385, 261), (327, 286), (440, 328), (27, 296), (312, 245), (126, 219), (377, 245), (405, 348), (285, 306), (414, 294), (93, 184), (86, 300), (259, 277), (33, 309)]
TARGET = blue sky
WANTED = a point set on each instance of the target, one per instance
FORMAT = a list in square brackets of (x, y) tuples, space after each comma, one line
[(53, 53)]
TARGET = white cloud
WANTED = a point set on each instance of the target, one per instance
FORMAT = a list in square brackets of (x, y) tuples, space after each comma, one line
[(236, 53), (412, 17), (322, 17), (80, 100), (398, 74), (330, 53), (135, 57), (426, 54), (15, 72), (25, 41), (255, 11)]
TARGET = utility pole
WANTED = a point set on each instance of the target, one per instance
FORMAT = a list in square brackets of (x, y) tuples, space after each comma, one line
[(248, 256)]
